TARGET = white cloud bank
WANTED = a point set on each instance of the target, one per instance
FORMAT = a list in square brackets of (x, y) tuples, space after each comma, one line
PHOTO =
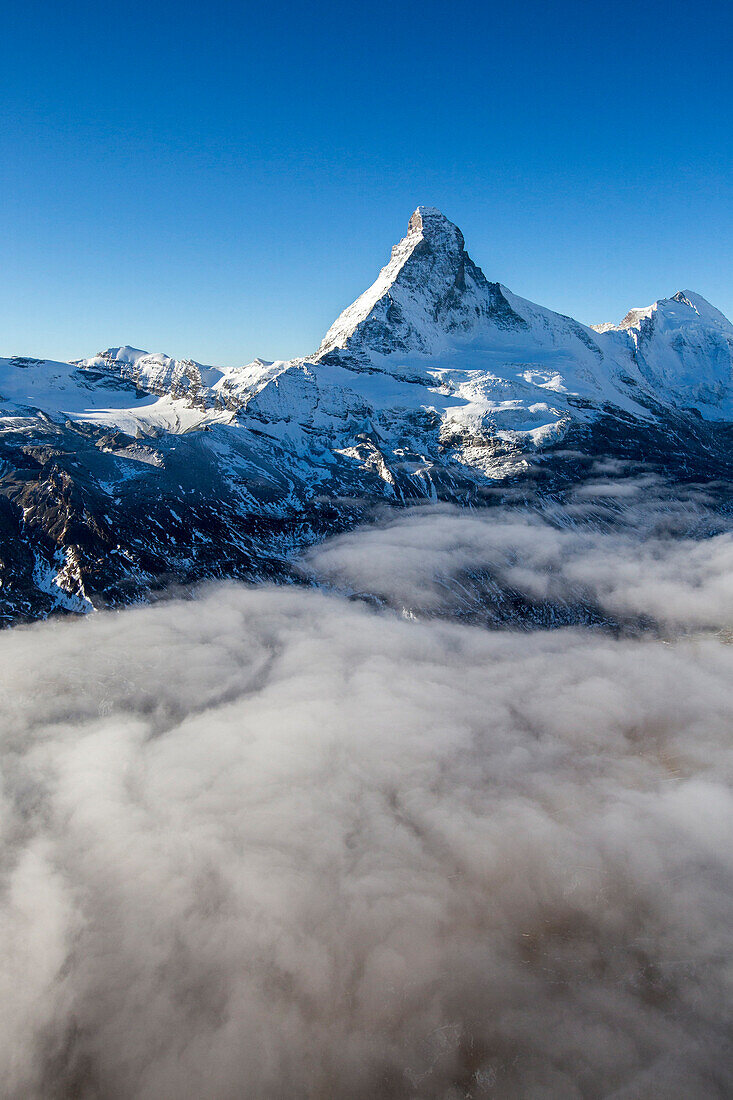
[(270, 843), (639, 561)]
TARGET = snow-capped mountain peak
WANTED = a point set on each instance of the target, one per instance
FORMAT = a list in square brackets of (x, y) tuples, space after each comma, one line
[(432, 225), (429, 290), (684, 348)]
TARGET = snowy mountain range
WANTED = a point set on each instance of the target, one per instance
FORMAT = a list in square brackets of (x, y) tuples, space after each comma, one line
[(129, 471)]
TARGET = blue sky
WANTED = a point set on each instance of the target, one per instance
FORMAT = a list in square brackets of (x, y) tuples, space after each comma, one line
[(219, 180)]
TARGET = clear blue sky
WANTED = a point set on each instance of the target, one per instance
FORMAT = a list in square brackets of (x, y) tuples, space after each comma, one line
[(219, 180)]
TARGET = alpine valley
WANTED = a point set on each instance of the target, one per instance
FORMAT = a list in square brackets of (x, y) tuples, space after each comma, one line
[(129, 472)]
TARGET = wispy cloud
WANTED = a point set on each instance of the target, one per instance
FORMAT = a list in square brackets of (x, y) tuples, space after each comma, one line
[(625, 549)]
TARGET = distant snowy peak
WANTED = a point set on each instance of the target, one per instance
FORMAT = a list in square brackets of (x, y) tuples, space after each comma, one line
[(684, 348), (683, 309), (429, 290), (200, 386)]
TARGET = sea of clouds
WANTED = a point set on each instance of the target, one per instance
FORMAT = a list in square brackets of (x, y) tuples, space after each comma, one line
[(278, 843), (638, 552)]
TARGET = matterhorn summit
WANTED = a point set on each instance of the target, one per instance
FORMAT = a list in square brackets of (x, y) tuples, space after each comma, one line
[(430, 289)]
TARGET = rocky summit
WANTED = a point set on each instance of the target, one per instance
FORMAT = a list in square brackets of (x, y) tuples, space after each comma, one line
[(129, 472)]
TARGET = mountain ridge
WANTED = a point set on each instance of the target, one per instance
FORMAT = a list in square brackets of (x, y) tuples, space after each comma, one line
[(127, 471)]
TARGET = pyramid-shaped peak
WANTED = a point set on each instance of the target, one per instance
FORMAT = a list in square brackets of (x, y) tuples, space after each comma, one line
[(428, 294)]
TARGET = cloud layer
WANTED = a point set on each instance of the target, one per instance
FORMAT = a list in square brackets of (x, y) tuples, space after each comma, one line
[(622, 552), (274, 843)]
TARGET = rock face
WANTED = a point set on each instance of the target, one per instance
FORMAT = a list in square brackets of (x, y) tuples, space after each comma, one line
[(127, 472)]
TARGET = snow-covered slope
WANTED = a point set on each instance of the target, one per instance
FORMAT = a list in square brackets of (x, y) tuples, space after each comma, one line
[(130, 469), (684, 347)]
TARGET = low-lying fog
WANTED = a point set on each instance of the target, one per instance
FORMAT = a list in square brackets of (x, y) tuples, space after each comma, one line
[(274, 843)]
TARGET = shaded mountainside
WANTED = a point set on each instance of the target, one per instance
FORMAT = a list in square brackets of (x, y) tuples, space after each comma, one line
[(128, 472)]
